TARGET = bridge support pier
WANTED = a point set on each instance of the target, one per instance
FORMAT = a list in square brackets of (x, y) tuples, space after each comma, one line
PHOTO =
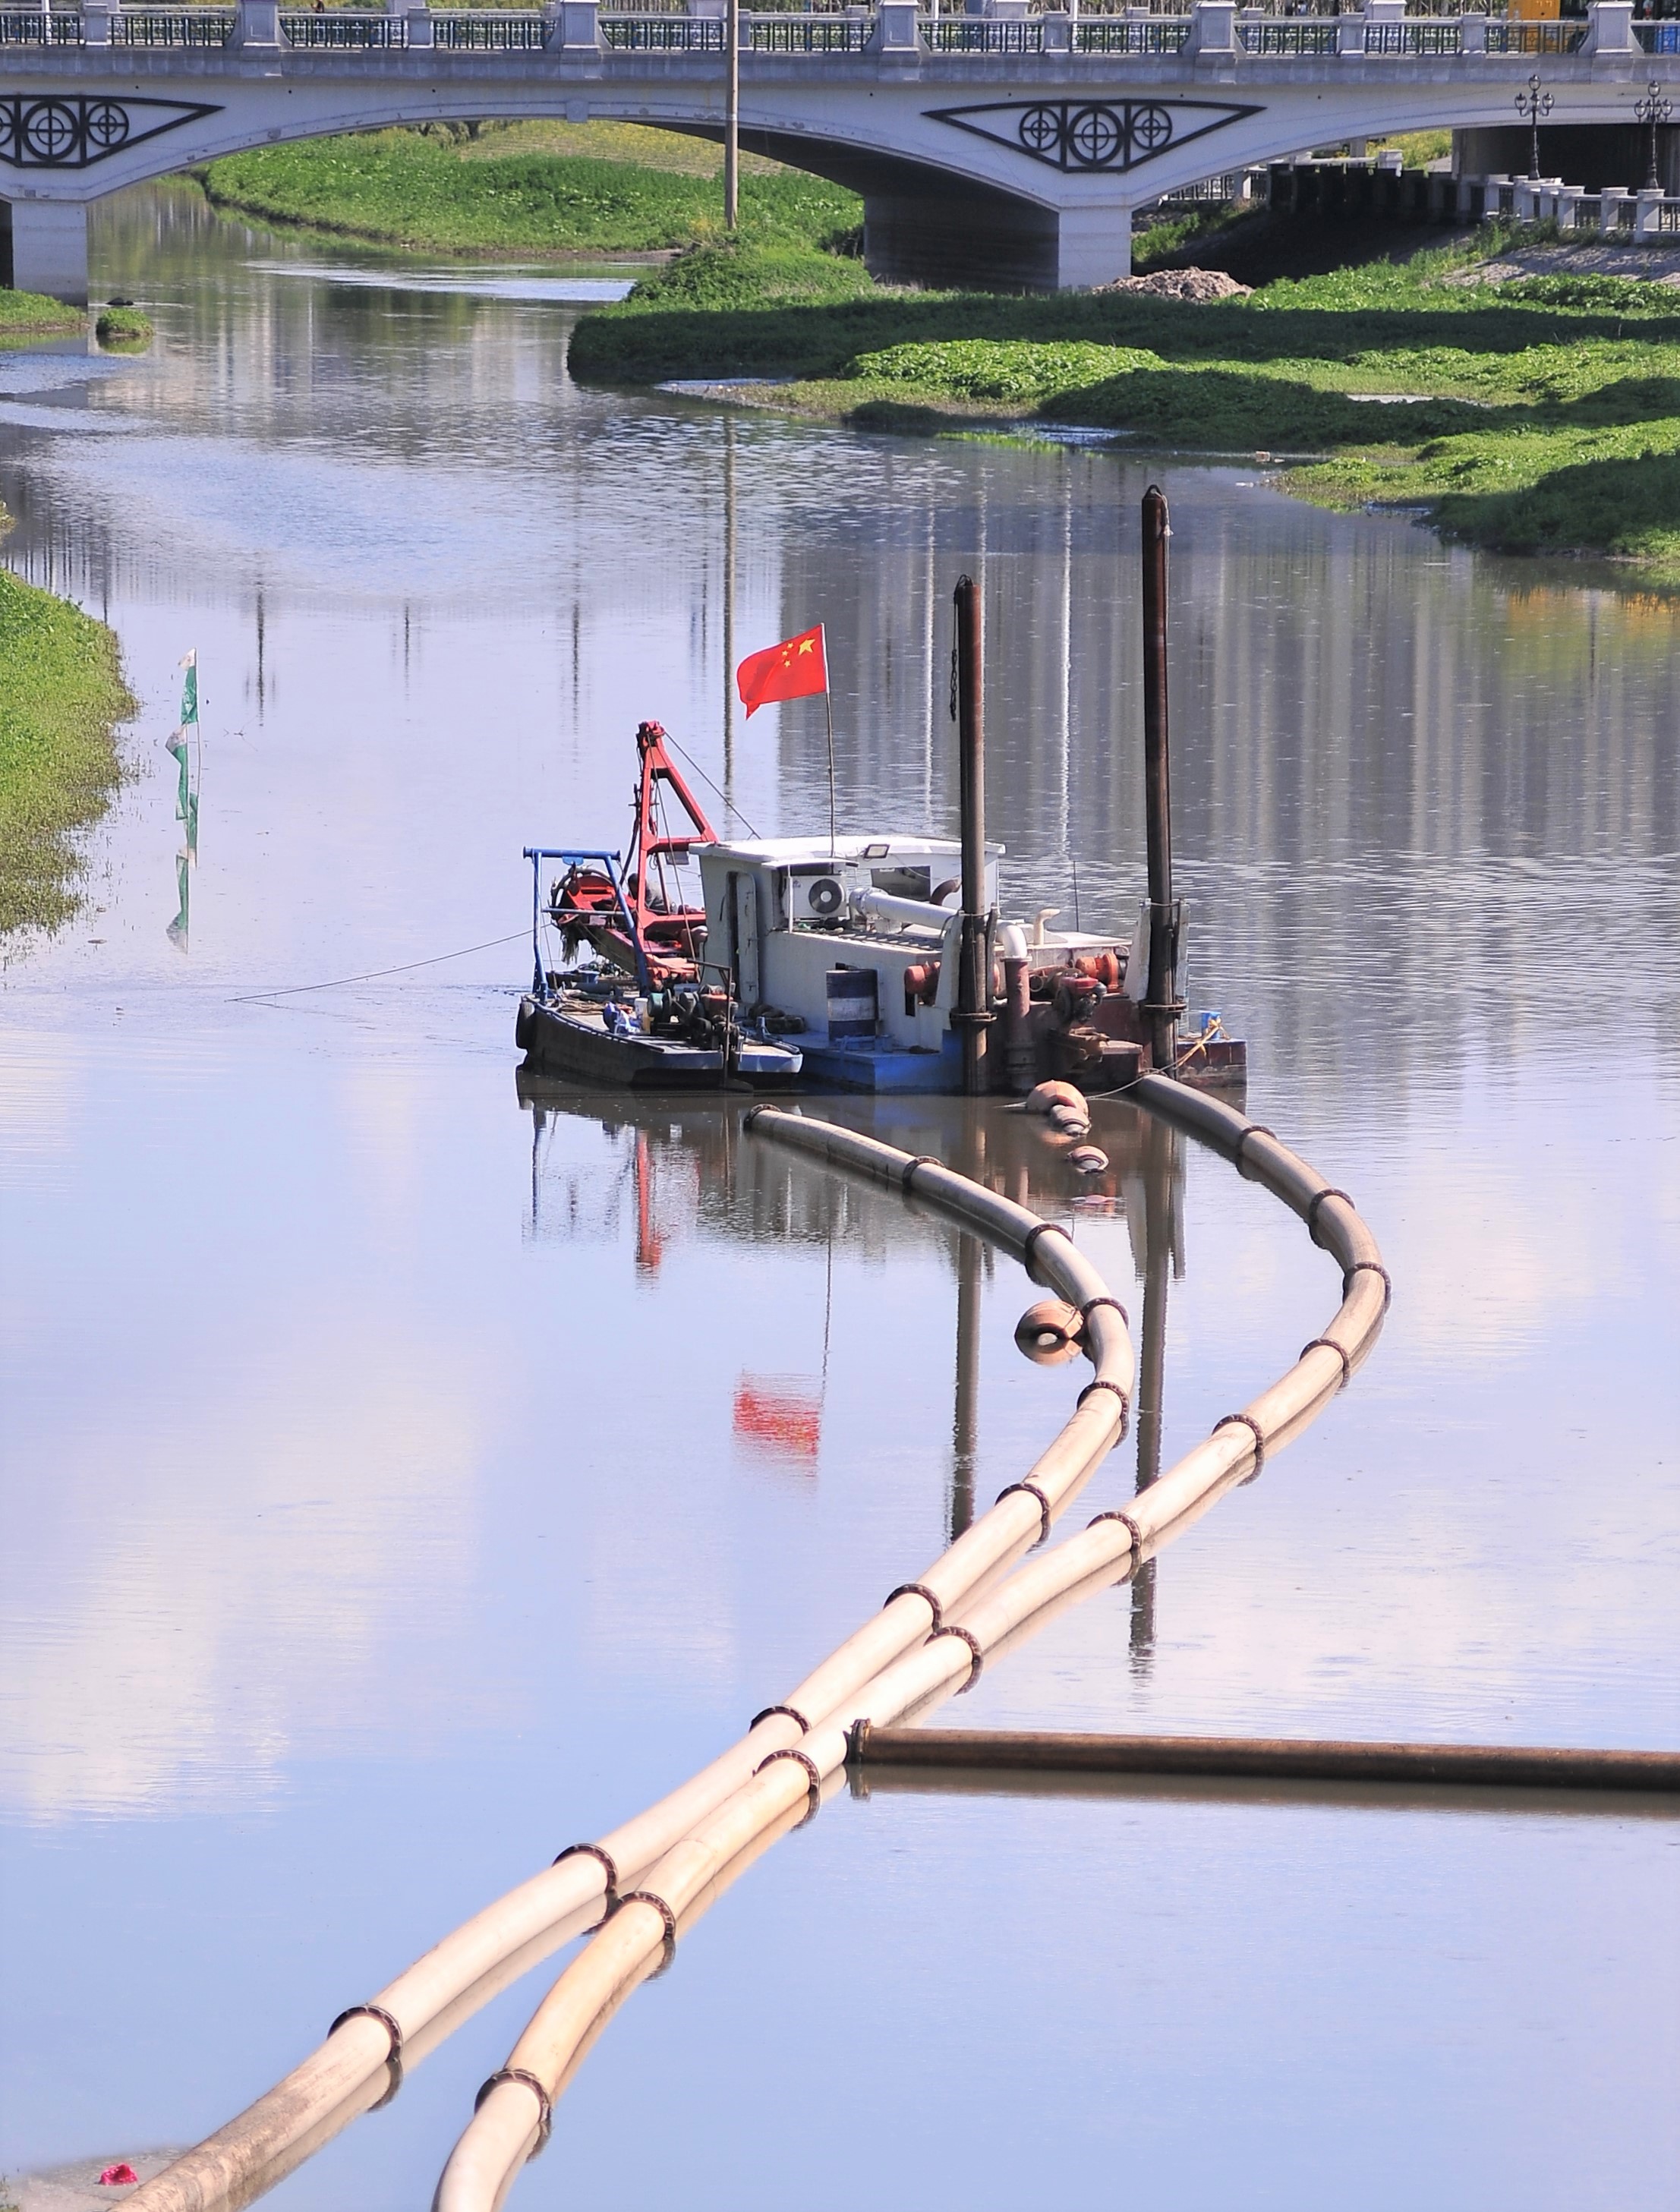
[(47, 248), (1093, 245), (989, 241)]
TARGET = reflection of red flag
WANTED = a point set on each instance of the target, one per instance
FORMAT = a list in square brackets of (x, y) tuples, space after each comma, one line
[(777, 1418), (796, 669)]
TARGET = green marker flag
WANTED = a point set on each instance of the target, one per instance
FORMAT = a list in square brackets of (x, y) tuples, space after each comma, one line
[(186, 796)]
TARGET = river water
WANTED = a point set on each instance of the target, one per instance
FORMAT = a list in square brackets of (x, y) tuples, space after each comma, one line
[(409, 1474)]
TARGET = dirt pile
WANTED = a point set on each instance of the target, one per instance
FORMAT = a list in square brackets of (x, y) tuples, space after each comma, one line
[(1182, 284)]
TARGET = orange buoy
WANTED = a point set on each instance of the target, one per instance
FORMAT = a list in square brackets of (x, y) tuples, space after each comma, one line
[(1044, 1097), (1050, 1332)]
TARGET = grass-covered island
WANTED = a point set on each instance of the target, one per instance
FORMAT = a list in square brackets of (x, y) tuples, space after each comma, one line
[(1540, 413), (27, 315), (533, 190), (62, 694)]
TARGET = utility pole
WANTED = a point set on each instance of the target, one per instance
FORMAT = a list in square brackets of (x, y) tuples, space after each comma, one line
[(732, 113)]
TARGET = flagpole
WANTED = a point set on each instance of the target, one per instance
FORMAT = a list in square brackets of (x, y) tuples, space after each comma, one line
[(828, 709)]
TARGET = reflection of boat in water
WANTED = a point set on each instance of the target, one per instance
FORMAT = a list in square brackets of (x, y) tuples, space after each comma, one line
[(682, 1174)]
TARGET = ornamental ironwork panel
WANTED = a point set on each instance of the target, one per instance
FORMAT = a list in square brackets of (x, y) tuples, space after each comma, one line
[(56, 133), (1093, 134)]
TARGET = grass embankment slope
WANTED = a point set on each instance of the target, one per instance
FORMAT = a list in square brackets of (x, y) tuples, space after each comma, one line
[(31, 314), (61, 696), (25, 315), (1538, 415), (531, 191)]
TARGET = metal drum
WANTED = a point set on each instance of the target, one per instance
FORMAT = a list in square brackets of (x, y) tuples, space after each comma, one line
[(854, 1005)]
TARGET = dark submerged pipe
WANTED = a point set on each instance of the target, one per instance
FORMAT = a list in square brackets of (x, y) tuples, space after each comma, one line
[(972, 1013), (1161, 1006), (1514, 1766)]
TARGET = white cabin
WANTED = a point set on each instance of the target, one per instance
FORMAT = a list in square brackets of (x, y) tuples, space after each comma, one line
[(781, 912)]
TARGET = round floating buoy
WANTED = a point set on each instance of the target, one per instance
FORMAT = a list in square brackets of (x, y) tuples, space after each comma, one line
[(1050, 1332), (1045, 1096), (1087, 1159), (1071, 1121)]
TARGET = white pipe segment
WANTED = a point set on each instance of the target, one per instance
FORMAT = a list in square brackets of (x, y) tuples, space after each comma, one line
[(887, 906), (241, 2158), (495, 2142)]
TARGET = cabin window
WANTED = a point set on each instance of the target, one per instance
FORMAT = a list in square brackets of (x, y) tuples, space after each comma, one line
[(903, 883)]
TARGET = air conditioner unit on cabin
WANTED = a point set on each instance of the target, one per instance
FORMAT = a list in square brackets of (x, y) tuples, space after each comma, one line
[(819, 896)]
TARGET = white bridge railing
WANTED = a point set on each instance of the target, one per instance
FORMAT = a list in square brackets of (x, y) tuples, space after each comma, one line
[(1288, 30)]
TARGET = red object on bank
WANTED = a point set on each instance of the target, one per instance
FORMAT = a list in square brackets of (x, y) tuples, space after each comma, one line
[(796, 669), (119, 2177)]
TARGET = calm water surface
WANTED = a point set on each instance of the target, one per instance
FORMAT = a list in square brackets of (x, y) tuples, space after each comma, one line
[(383, 1507)]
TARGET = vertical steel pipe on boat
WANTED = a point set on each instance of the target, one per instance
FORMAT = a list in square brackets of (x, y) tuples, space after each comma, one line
[(1020, 1051), (973, 1013), (1161, 1005)]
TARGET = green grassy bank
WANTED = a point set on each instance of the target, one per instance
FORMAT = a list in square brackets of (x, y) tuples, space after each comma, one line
[(31, 314), (25, 315), (1538, 415), (61, 696), (533, 190)]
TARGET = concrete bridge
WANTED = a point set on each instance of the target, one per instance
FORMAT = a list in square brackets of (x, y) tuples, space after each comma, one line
[(1007, 145)]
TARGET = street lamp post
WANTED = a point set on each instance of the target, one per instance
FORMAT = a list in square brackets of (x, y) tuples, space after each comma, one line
[(1532, 105), (1653, 109)]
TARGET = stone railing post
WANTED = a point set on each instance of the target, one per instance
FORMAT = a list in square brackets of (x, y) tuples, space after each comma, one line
[(96, 24), (1567, 206), (1609, 27), (1350, 34), (418, 31), (1213, 29), (895, 28), (1647, 209), (1609, 211), (1058, 31), (1472, 35), (578, 27), (257, 23)]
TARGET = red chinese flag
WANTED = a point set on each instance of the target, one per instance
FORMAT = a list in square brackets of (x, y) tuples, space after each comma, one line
[(796, 669)]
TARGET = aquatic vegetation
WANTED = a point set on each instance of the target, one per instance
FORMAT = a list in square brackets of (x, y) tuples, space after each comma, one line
[(22, 314), (407, 188), (983, 368), (61, 696), (1538, 414), (719, 277), (122, 330)]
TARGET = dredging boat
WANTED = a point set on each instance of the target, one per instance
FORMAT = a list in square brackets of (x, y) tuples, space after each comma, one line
[(649, 1012), (873, 963)]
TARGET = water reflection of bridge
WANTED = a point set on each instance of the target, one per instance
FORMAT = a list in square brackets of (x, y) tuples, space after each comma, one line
[(686, 1172), (1010, 147)]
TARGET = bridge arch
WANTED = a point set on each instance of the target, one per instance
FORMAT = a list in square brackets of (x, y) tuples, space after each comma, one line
[(1001, 151)]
